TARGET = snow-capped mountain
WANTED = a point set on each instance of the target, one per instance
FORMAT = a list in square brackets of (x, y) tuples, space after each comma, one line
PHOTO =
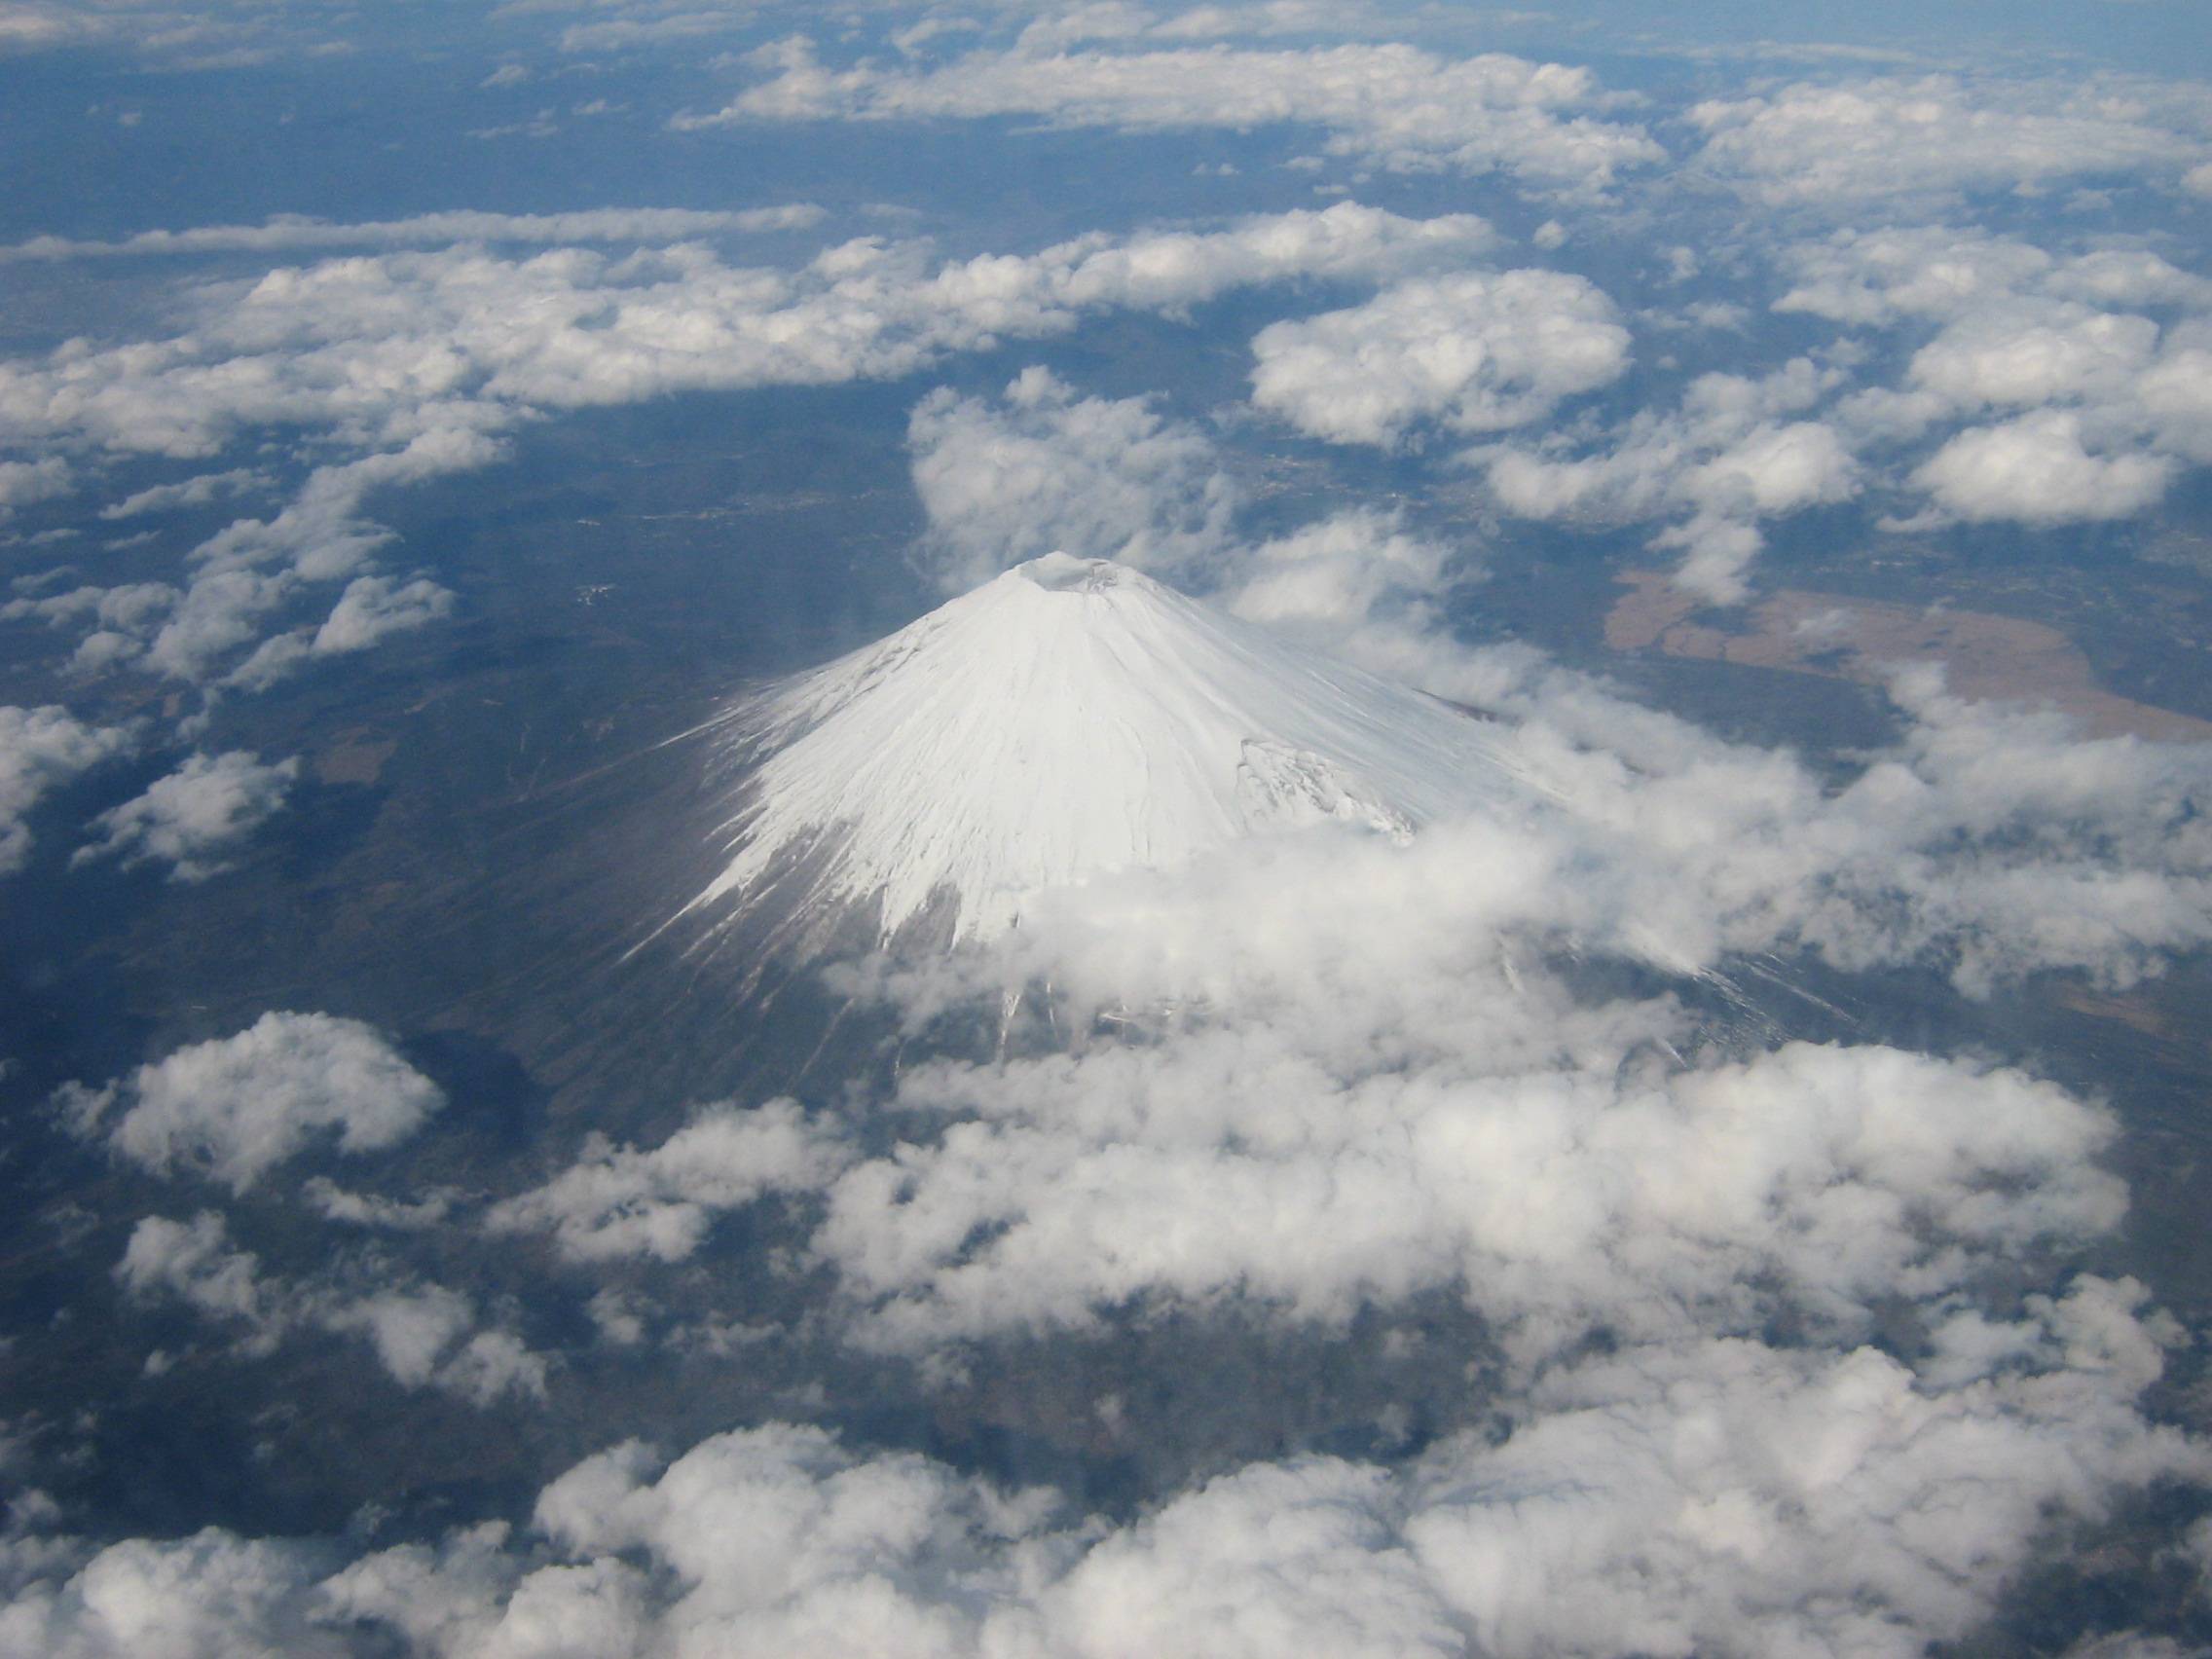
[(1068, 718)]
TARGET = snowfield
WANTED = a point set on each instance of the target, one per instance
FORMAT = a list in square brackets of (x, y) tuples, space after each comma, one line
[(1066, 720)]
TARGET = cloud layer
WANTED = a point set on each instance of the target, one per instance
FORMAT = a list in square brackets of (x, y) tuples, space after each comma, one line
[(1717, 1498), (1391, 104), (424, 359)]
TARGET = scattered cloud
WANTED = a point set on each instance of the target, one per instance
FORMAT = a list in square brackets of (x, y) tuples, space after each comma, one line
[(2107, 405), (24, 482), (31, 27), (363, 1209), (371, 608), (233, 1107), (41, 748), (192, 818), (214, 34), (1395, 1089), (1043, 469), (426, 359), (425, 1335), (624, 1201), (1735, 452), (1717, 1497), (195, 491)]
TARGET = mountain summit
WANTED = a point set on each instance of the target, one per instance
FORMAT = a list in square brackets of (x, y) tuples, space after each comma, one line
[(1066, 720)]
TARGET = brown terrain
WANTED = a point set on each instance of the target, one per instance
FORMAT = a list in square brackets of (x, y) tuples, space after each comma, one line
[(357, 757), (1984, 658), (1842, 638)]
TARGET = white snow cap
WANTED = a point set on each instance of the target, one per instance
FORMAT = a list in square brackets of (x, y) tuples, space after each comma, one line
[(1069, 718)]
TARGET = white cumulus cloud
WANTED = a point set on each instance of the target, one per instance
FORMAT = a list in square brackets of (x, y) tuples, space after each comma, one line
[(1045, 470), (2039, 469), (192, 818), (1476, 352), (41, 748), (233, 1107), (624, 1200)]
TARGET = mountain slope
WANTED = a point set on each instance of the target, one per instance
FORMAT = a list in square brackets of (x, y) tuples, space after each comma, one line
[(1069, 718)]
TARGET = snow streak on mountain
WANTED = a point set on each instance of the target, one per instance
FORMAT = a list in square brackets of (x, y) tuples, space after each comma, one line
[(1070, 718)]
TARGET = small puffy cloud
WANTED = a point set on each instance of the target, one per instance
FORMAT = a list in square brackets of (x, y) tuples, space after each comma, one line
[(2175, 394), (220, 611), (1393, 105), (1774, 469), (1771, 471), (197, 492), (424, 1335), (410, 1330), (361, 1210), (234, 1107), (1332, 576), (1476, 352), (627, 1201), (193, 1262), (490, 1365), (24, 482), (777, 1537), (1170, 270), (1044, 470), (2038, 471), (192, 819), (1737, 450), (2024, 357), (369, 610), (427, 1336), (373, 607), (40, 749)]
